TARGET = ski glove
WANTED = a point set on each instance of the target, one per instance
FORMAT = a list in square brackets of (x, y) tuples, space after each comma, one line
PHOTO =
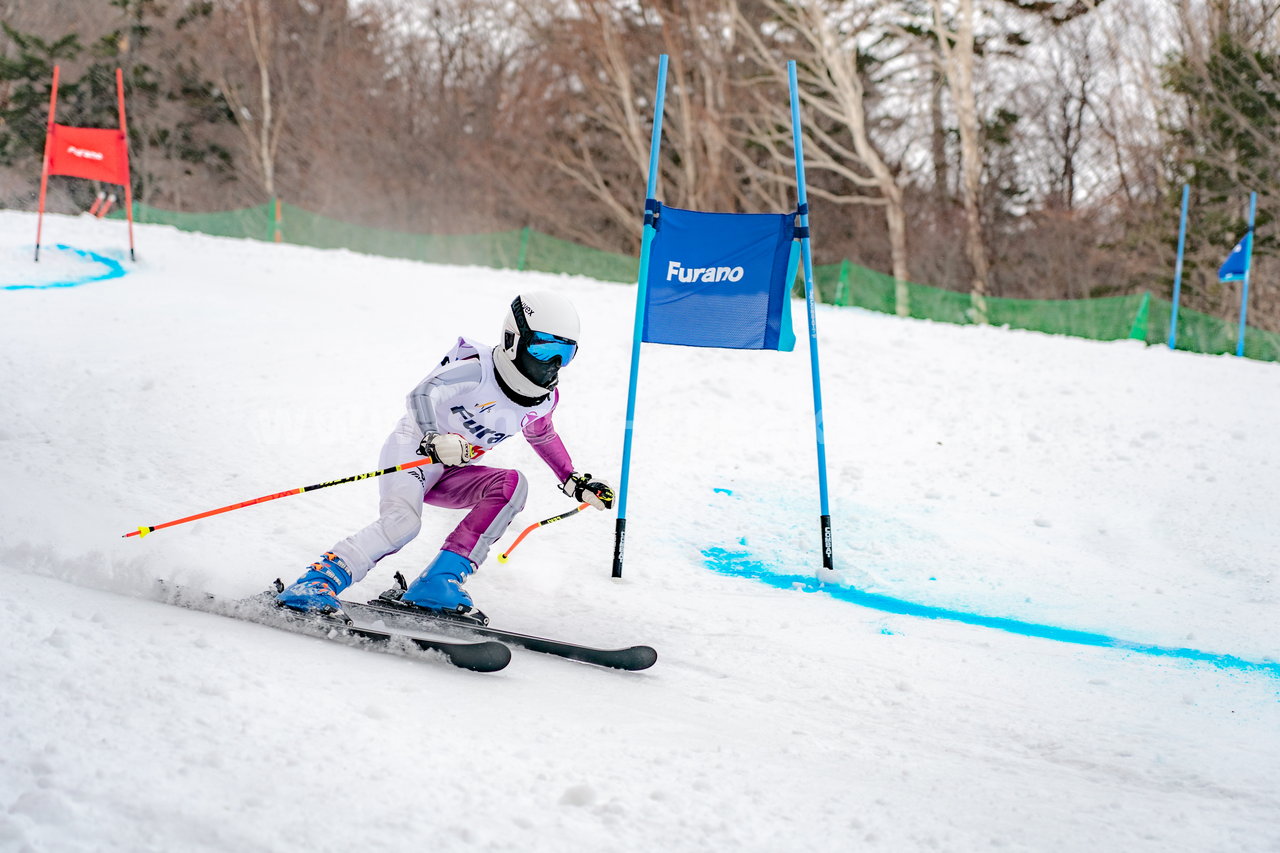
[(449, 449), (587, 489)]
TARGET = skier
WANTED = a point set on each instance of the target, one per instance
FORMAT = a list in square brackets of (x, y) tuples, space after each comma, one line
[(477, 397)]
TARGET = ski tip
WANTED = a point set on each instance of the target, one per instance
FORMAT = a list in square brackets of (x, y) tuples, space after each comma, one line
[(484, 657), (643, 657)]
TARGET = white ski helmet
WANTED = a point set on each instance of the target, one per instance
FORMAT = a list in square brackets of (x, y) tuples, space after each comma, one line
[(539, 336)]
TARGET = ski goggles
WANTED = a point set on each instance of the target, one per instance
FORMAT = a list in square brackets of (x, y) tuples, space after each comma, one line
[(545, 347), (542, 346)]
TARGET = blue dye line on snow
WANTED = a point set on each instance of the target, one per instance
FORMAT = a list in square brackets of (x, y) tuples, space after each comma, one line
[(740, 564), (114, 269)]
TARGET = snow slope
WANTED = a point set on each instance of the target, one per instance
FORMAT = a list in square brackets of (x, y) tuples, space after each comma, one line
[(1027, 483)]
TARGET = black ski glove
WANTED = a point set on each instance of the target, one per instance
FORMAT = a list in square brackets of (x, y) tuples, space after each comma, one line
[(590, 490)]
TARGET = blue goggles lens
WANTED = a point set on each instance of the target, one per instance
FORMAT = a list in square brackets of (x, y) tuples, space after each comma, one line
[(545, 347)]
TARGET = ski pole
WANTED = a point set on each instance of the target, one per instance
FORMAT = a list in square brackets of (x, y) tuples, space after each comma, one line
[(506, 555), (143, 531)]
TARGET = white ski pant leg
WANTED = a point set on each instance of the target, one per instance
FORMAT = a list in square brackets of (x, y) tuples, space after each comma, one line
[(399, 507)]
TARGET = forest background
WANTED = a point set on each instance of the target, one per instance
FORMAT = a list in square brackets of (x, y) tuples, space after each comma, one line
[(1016, 148)]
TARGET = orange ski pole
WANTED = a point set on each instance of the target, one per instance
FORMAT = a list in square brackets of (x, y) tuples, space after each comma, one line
[(506, 555), (143, 531)]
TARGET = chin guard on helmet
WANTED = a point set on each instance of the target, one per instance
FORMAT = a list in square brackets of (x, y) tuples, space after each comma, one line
[(539, 336)]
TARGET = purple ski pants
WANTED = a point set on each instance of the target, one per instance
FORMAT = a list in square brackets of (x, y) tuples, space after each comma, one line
[(494, 495)]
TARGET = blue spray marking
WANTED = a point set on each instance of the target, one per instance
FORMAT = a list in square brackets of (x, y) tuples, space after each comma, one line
[(114, 269), (740, 564)]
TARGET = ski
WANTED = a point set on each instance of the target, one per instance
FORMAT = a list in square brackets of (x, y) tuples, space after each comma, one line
[(478, 656), (392, 612)]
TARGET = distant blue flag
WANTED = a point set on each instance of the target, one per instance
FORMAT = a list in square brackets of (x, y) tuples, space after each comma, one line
[(721, 280), (1237, 263)]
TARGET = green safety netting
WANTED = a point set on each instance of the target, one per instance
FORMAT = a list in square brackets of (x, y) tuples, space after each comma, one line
[(523, 249), (255, 222), (1204, 333), (1137, 316), (549, 254)]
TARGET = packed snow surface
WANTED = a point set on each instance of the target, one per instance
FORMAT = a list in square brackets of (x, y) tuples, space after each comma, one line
[(985, 484)]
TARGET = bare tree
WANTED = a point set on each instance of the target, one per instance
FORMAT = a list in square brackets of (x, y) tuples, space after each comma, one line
[(589, 104), (599, 139), (702, 41), (249, 71), (275, 63), (1059, 110), (833, 93), (954, 34)]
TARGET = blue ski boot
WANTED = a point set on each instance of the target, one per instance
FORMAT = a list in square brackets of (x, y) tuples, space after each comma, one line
[(317, 590), (439, 587)]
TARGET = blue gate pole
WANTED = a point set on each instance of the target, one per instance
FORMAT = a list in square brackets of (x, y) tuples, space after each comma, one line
[(828, 563), (1177, 270), (642, 287), (1248, 262)]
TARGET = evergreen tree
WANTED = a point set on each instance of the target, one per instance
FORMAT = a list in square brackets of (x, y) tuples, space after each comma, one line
[(26, 80), (1230, 132), (1227, 136)]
